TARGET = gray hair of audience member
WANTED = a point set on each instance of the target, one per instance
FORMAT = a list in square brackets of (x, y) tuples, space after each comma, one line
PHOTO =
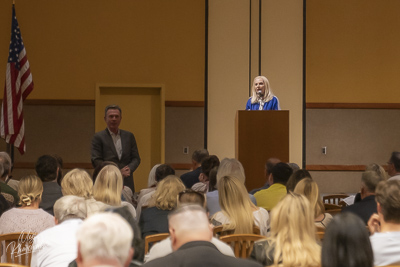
[(189, 223), (370, 180), (152, 176), (199, 155), (294, 166), (231, 167), (112, 107), (105, 236), (5, 164), (378, 169), (70, 207)]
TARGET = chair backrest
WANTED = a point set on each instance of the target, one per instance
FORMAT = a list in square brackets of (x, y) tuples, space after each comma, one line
[(218, 231), (334, 199), (11, 265), (320, 232), (242, 244), (332, 209), (150, 239), (18, 247)]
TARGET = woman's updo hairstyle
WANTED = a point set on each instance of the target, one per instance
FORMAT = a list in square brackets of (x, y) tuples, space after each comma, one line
[(30, 190)]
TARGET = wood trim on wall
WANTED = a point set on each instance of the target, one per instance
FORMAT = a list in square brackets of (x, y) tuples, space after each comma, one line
[(73, 102), (184, 103), (353, 105), (181, 166), (69, 165), (338, 167)]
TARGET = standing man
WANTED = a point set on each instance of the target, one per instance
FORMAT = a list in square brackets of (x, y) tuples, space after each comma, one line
[(116, 145)]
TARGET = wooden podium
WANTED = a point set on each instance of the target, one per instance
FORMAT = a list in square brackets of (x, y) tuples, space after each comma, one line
[(260, 135)]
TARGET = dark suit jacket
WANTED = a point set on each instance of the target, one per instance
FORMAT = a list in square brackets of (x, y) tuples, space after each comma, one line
[(103, 149), (200, 254), (190, 178), (364, 209), (51, 193)]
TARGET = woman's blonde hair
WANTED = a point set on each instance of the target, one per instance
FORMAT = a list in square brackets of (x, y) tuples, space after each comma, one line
[(268, 95), (292, 239), (30, 189), (236, 205), (165, 196), (310, 190), (108, 186), (77, 182)]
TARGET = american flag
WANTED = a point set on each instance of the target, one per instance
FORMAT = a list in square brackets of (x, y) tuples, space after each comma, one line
[(18, 86)]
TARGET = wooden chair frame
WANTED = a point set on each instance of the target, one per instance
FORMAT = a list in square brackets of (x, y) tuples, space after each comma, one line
[(242, 244), (218, 232), (18, 247), (153, 239)]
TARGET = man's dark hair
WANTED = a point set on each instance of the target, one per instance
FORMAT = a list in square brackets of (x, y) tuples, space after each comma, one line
[(208, 164), (281, 173), (199, 155), (112, 107), (163, 171), (46, 168), (395, 159), (271, 162)]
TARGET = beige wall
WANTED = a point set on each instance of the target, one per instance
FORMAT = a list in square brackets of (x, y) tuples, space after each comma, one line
[(228, 63), (281, 62), (353, 51), (72, 45)]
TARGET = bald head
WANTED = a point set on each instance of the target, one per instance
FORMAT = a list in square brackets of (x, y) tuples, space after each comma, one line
[(189, 223)]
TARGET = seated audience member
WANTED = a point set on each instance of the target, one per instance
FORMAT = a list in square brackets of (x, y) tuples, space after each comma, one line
[(212, 184), (6, 190), (28, 218), (5, 159), (3, 204), (164, 247), (379, 170), (268, 198), (162, 171), (77, 182), (292, 241), (108, 187), (367, 206), (60, 166), (192, 177), (191, 234), (296, 177), (385, 226), (309, 189), (57, 246), (267, 171), (228, 167), (393, 167), (153, 219), (127, 194), (151, 183), (237, 211), (137, 242), (346, 243), (207, 165), (47, 169), (104, 239)]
